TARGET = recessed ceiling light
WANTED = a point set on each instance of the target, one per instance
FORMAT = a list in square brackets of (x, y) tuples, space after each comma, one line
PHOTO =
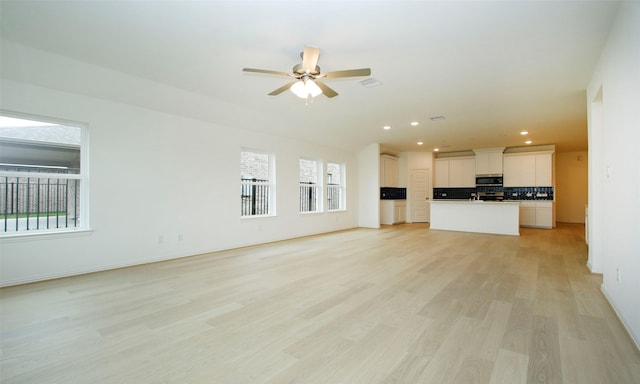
[(437, 118), (420, 143), (414, 123), (436, 149), (528, 142), (524, 133), (387, 127)]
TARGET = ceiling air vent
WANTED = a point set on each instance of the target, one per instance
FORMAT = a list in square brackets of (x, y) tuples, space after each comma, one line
[(370, 82)]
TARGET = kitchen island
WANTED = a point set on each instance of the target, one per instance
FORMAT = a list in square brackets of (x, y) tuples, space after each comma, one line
[(494, 217)]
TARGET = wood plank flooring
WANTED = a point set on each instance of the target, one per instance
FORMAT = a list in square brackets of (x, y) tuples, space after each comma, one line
[(403, 304)]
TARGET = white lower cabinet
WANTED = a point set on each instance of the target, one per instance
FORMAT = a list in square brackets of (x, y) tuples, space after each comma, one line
[(536, 214), (393, 211), (527, 214)]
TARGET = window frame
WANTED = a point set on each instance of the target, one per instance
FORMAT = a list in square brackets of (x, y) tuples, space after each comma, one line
[(341, 187), (270, 184), (318, 187), (82, 176)]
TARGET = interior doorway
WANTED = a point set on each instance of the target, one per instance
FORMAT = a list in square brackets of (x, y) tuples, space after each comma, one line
[(419, 195)]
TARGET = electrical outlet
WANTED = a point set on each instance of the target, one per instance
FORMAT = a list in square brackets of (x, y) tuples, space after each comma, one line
[(618, 275), (180, 237), (160, 239)]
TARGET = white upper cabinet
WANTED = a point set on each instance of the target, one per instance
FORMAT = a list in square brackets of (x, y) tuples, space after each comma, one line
[(455, 172), (519, 170), (544, 170), (528, 169), (489, 161), (388, 171), (442, 173), (462, 172)]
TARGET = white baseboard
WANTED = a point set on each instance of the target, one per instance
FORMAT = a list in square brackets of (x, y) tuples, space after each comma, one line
[(636, 341)]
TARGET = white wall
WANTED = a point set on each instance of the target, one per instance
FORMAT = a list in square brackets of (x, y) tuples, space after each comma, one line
[(369, 186), (613, 98), (155, 174), (571, 174)]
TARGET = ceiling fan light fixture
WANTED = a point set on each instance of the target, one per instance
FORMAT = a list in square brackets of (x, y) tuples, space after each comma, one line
[(312, 88), (298, 89), (306, 88)]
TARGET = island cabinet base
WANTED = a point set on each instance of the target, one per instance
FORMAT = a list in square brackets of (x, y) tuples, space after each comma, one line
[(502, 218)]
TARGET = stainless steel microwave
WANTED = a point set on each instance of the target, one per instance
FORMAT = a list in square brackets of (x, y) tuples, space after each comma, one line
[(489, 180)]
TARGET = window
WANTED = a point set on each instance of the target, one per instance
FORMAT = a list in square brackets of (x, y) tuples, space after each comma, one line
[(335, 187), (310, 170), (256, 186), (41, 176)]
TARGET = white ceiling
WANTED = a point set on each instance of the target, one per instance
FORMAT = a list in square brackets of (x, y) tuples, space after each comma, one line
[(492, 68)]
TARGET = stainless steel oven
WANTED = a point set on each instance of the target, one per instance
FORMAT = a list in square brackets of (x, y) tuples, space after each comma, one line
[(489, 187), (490, 195)]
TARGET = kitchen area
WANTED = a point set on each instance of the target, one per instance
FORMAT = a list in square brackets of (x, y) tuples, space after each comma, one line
[(489, 190)]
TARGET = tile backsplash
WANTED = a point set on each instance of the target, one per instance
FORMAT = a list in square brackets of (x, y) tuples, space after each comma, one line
[(389, 193), (510, 193), (528, 193), (453, 193)]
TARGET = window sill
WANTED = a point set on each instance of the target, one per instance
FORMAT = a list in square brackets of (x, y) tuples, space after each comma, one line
[(256, 217), (44, 235)]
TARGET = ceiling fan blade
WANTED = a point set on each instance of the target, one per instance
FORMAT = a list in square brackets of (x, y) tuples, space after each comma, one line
[(310, 57), (282, 89), (326, 90), (265, 71), (348, 73)]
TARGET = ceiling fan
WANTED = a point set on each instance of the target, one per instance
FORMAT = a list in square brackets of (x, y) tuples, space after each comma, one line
[(306, 76)]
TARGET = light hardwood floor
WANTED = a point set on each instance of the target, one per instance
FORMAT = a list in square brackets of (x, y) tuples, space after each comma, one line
[(403, 304)]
